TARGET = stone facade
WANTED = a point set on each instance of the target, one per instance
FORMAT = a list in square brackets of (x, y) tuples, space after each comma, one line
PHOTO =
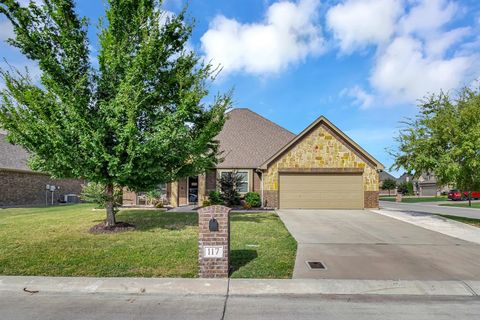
[(23, 188), (214, 267), (321, 148)]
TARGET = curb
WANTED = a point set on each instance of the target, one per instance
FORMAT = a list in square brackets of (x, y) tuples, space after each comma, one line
[(168, 286), (238, 287), (354, 287)]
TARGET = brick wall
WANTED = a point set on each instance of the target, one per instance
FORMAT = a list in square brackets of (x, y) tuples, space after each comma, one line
[(214, 267), (28, 188), (270, 199), (370, 199)]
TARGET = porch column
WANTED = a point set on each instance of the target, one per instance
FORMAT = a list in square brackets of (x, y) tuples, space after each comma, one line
[(174, 194), (202, 188)]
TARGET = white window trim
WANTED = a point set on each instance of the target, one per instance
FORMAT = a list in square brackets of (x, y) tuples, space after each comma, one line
[(248, 171)]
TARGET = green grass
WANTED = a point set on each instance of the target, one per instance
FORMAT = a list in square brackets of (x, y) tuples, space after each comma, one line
[(55, 242), (473, 222), (415, 199), (475, 205)]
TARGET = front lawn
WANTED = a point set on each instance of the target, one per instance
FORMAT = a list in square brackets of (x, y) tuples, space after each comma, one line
[(415, 199), (473, 222), (475, 205), (55, 242)]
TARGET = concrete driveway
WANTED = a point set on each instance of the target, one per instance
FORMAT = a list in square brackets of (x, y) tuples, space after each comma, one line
[(359, 244)]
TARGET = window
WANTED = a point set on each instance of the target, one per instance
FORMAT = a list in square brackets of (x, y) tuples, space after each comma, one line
[(244, 179), (162, 188)]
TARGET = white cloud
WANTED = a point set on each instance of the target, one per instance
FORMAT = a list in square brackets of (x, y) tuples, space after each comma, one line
[(357, 23), (288, 34), (360, 97), (417, 51), (438, 44), (405, 73), (428, 16)]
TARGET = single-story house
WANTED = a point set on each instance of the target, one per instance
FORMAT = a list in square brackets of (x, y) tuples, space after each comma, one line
[(21, 186), (320, 168)]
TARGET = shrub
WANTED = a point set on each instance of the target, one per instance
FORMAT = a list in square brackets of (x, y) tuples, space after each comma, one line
[(229, 182), (405, 188), (253, 199), (154, 197), (206, 203), (215, 197), (95, 193)]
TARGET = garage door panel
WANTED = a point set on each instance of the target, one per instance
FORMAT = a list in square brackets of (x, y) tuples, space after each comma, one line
[(321, 191)]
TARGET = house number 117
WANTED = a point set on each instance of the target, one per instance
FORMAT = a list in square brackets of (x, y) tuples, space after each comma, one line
[(213, 252)]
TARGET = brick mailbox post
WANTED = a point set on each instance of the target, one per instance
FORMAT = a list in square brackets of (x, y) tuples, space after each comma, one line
[(214, 242)]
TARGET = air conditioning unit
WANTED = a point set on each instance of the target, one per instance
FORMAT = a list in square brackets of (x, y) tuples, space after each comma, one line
[(71, 198)]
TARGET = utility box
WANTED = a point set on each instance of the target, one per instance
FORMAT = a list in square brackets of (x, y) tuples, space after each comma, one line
[(214, 242)]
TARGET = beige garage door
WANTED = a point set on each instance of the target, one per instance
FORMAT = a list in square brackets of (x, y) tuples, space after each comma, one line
[(321, 191)]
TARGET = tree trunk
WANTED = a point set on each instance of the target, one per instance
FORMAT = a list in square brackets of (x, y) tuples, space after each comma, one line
[(470, 198), (389, 192), (110, 222)]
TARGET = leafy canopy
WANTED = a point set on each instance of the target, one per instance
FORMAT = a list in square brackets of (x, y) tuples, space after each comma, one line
[(137, 120), (445, 139), (389, 184)]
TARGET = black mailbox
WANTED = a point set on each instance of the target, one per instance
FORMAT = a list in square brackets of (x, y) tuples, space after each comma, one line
[(213, 225)]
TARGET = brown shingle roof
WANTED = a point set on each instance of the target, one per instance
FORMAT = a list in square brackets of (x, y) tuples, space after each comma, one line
[(12, 157), (248, 139)]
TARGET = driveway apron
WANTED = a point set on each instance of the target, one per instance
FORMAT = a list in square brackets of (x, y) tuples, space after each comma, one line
[(359, 244)]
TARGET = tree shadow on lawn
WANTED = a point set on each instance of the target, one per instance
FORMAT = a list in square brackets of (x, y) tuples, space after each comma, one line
[(240, 258), (152, 219)]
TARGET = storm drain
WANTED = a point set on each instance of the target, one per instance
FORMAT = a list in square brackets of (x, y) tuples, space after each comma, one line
[(316, 265)]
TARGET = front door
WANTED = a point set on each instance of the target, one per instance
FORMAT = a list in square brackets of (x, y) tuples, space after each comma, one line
[(193, 190)]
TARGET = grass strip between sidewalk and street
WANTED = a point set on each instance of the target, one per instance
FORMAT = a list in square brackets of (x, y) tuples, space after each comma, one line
[(475, 205), (470, 221), (414, 199), (55, 241)]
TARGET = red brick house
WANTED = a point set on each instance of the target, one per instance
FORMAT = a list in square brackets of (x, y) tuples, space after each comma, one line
[(21, 186), (319, 168)]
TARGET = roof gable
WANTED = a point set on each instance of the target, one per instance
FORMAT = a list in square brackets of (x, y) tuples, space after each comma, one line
[(342, 136), (248, 139)]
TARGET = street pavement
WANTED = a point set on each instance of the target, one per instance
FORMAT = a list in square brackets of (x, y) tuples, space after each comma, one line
[(432, 208), (51, 306), (360, 244)]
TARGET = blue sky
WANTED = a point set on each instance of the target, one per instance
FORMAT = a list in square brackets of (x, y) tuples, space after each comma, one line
[(361, 63)]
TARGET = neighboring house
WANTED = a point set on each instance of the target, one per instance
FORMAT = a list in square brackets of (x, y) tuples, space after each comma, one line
[(387, 176), (21, 186), (425, 185), (319, 168)]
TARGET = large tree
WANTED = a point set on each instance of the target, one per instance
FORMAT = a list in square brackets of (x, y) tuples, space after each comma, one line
[(136, 120), (445, 139)]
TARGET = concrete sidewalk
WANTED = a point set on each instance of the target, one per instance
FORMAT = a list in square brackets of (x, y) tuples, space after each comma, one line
[(235, 287), (432, 208), (436, 223)]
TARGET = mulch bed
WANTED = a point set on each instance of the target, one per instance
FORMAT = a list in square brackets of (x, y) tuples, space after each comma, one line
[(118, 227)]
